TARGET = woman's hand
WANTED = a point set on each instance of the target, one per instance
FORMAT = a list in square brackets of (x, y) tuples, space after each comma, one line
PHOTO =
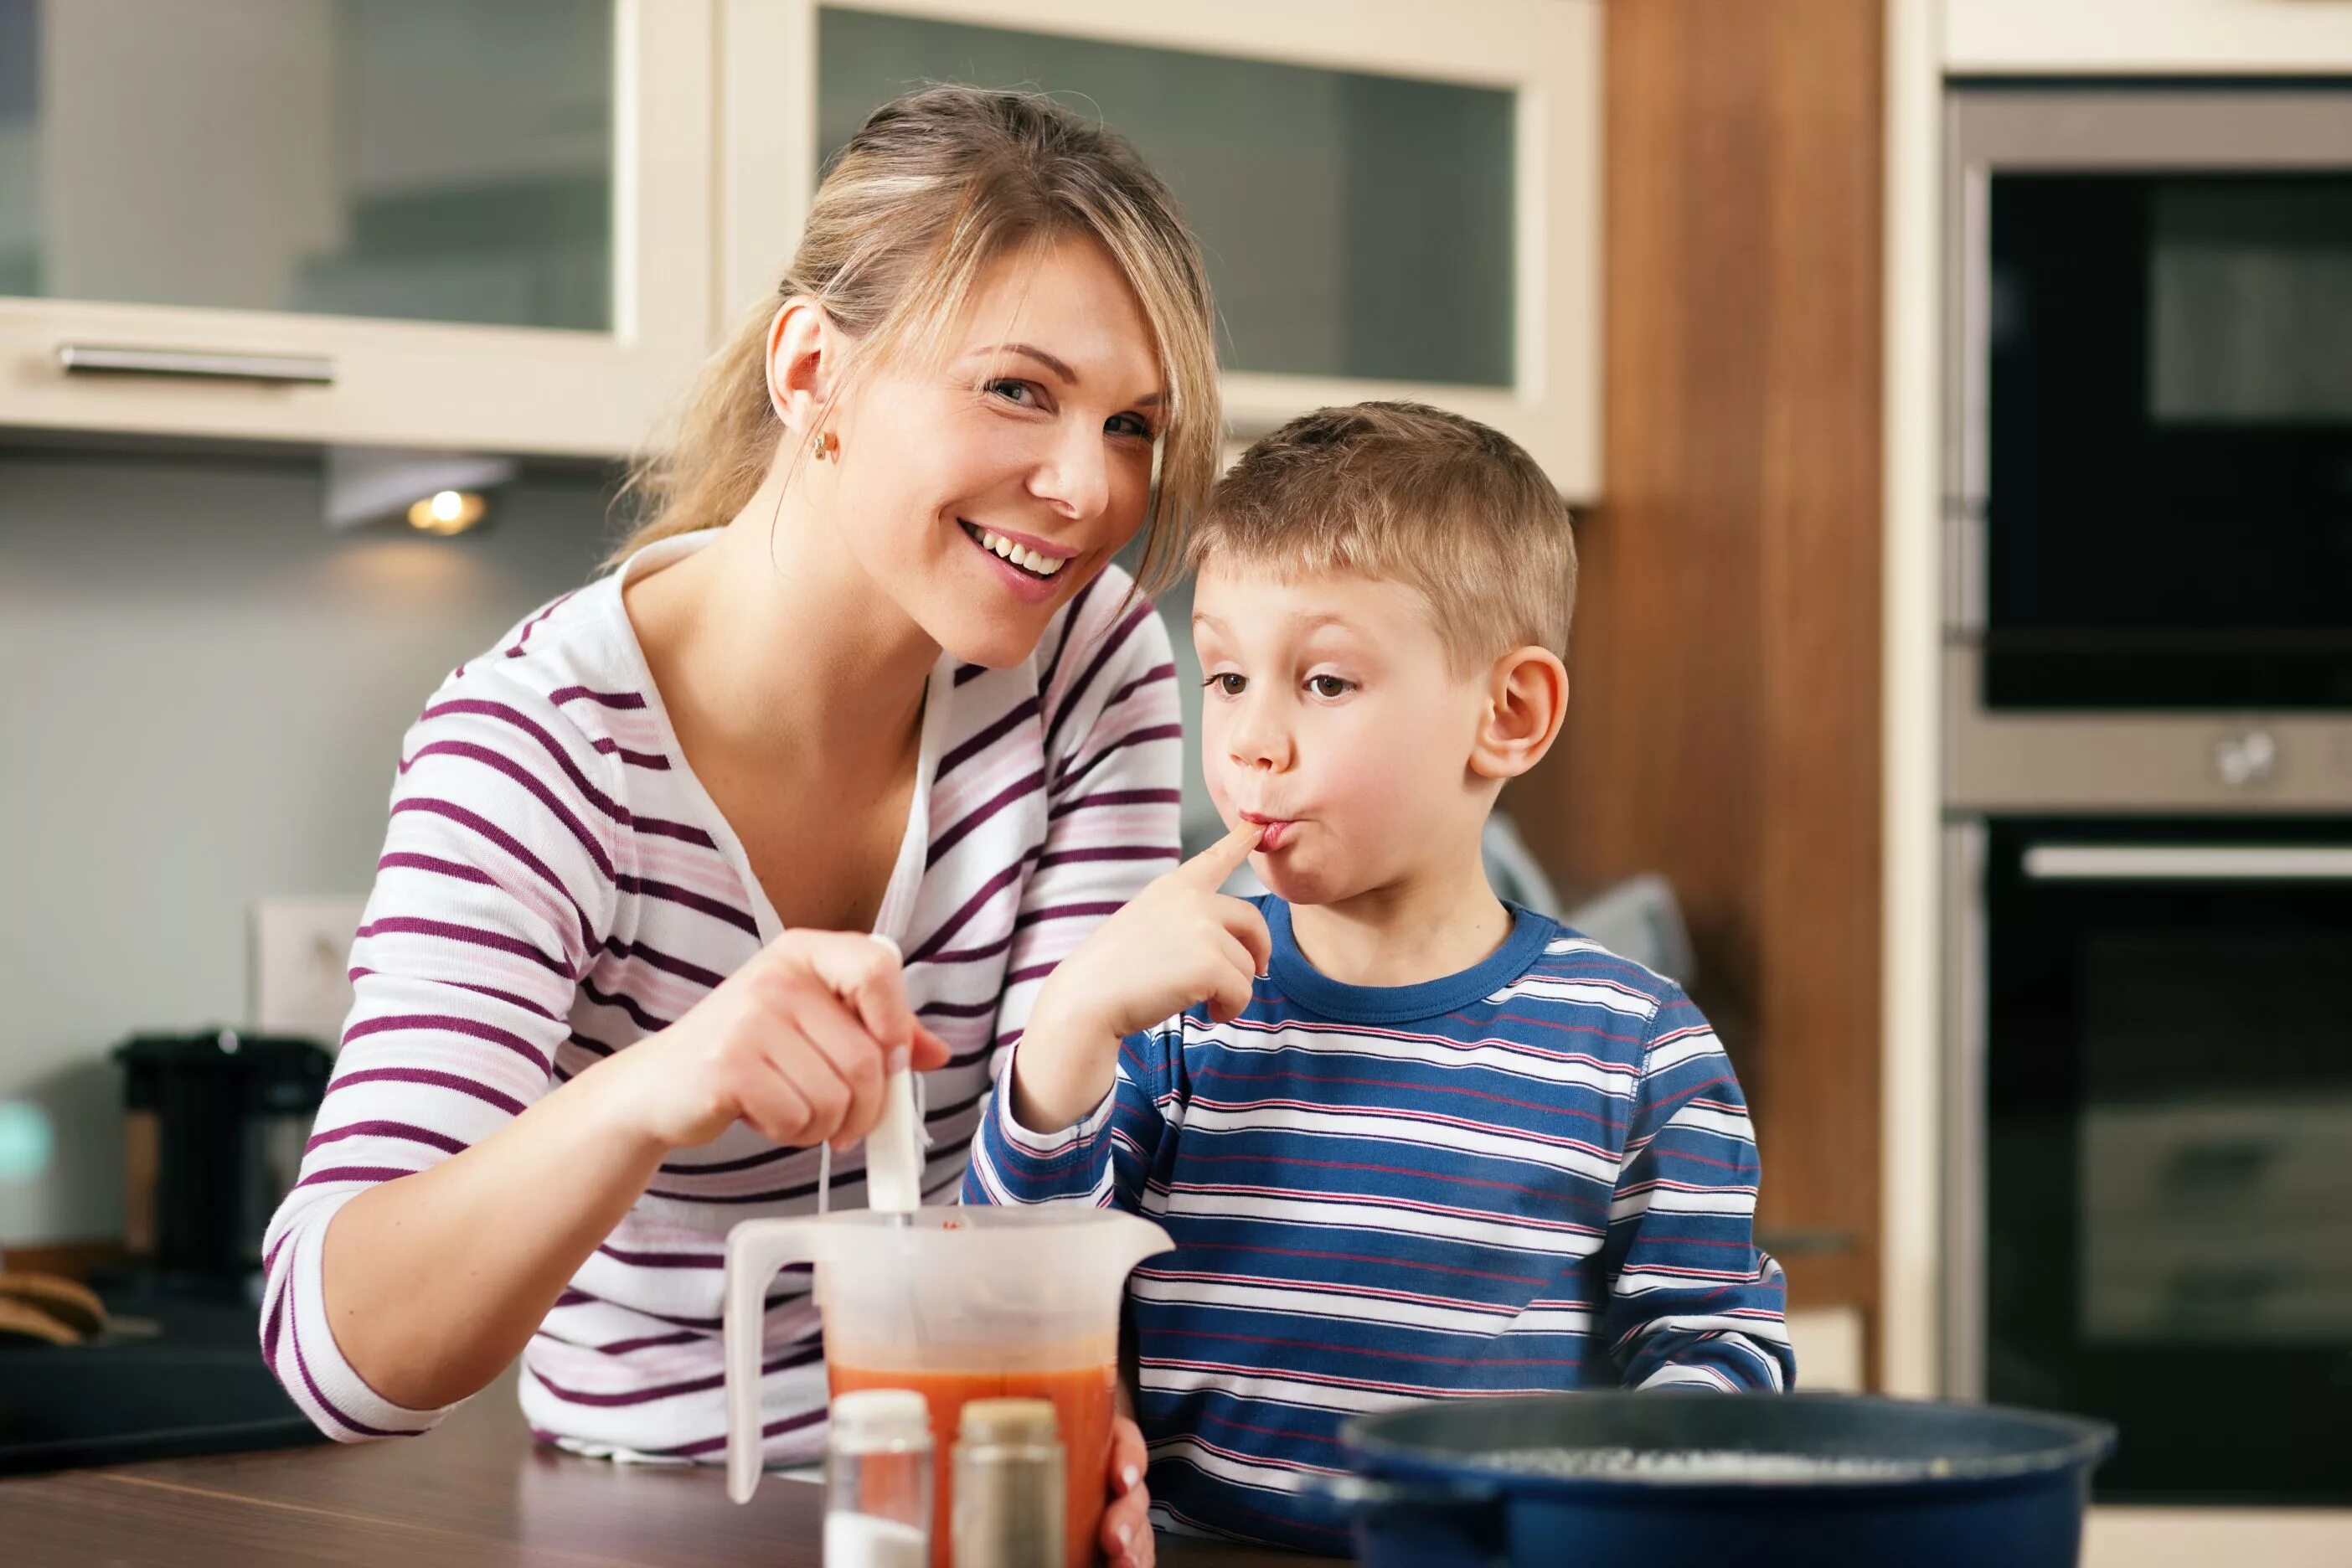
[(797, 1043), (1126, 1540), (1178, 943)]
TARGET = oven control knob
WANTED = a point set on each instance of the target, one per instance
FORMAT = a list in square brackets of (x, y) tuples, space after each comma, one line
[(2250, 758)]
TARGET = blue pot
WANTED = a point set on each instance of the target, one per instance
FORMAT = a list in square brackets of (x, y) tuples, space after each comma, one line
[(1950, 1486)]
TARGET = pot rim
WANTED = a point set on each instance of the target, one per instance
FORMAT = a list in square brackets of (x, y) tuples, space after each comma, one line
[(2074, 1442)]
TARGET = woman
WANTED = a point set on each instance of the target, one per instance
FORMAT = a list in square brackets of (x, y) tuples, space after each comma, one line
[(867, 669)]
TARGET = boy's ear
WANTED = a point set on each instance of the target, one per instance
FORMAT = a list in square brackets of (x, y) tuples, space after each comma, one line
[(1527, 700)]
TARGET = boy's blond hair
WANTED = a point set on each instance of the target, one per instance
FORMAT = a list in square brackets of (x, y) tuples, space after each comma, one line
[(1411, 494)]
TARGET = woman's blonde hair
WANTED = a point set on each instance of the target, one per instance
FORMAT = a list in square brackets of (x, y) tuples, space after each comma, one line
[(933, 189)]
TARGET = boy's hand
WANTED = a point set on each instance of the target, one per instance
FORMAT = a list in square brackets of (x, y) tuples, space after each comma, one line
[(1178, 942)]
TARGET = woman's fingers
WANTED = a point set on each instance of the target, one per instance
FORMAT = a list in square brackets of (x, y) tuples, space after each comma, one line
[(1127, 1522), (863, 972), (930, 1051), (767, 1100), (854, 1056)]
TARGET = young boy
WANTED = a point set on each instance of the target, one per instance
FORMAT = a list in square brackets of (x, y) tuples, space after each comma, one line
[(1409, 1140)]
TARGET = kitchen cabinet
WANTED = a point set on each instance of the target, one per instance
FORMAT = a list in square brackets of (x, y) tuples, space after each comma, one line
[(1397, 199), (426, 223), (2147, 37)]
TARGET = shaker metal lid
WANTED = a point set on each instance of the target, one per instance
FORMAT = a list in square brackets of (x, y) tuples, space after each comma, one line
[(881, 1415), (1009, 1421)]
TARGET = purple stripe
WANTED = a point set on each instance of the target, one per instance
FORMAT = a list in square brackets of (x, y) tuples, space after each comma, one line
[(434, 863), (1117, 797), (701, 903), (957, 1009), (628, 1005), (490, 757), (407, 1130), (495, 994), (682, 831), (1102, 656), (779, 1195), (1070, 618), (719, 1167), (1034, 971), (355, 1173), (574, 1297), (1019, 789), (431, 1080), (294, 1336), (1063, 912), (596, 1048), (973, 954), (775, 1428), (612, 748), (665, 1259), (414, 925), (466, 817), (533, 625), (965, 672), (1069, 776), (706, 978), (649, 1342), (564, 694), (448, 1022), (507, 714), (980, 742), (1111, 852), (972, 906), (1157, 672)]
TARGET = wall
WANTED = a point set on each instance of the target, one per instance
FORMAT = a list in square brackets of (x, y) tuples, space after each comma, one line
[(205, 696), (1725, 722)]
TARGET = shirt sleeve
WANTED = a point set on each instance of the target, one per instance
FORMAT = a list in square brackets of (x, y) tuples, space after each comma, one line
[(491, 900), (1114, 754), (1106, 1158), (1692, 1301)]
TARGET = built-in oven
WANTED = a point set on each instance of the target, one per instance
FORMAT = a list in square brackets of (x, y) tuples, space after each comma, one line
[(2146, 775), (2153, 1096), (2152, 501)]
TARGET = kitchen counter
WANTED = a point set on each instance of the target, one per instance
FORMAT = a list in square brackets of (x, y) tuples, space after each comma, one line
[(476, 1492)]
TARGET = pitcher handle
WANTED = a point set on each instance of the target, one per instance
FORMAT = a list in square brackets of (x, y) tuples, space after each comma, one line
[(756, 1249)]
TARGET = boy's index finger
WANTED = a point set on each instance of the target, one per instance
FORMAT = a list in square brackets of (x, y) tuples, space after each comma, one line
[(1211, 866)]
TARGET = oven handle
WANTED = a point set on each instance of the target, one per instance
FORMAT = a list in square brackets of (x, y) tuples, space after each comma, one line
[(2189, 863)]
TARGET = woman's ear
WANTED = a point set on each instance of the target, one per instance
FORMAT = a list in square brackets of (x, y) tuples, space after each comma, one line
[(803, 353), (1527, 700)]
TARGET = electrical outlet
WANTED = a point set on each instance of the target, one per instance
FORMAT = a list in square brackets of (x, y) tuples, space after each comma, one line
[(302, 958)]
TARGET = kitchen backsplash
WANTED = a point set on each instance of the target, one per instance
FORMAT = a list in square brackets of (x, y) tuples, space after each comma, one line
[(203, 700)]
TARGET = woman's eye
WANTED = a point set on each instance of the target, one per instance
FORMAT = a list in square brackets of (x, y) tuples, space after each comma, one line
[(1129, 424), (1227, 684), (1022, 393), (1329, 686)]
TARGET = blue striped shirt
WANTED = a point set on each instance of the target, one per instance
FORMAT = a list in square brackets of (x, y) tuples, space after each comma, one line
[(1535, 1174)]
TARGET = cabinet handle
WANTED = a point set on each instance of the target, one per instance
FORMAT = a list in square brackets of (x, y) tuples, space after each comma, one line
[(2189, 863), (278, 370)]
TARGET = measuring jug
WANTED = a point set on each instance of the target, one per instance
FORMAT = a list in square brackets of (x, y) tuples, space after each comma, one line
[(958, 1304)]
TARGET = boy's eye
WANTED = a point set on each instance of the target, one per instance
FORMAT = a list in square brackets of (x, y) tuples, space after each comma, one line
[(1226, 684), (1329, 685)]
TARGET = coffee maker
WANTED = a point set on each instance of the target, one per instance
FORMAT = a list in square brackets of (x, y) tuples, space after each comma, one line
[(214, 1125)]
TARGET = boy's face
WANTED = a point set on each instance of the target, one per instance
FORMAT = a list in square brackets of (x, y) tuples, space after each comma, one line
[(1331, 714)]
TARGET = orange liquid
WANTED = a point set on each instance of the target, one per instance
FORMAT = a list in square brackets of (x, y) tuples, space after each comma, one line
[(1083, 1399)]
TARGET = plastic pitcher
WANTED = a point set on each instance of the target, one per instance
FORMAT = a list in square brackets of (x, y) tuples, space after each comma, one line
[(958, 1304)]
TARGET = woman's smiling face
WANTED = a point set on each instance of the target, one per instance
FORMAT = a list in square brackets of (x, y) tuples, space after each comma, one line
[(983, 495)]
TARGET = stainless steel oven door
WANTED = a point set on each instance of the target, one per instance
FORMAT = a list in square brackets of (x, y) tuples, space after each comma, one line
[(2150, 1211)]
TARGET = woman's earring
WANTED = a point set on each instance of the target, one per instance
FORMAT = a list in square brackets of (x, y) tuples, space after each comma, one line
[(825, 445)]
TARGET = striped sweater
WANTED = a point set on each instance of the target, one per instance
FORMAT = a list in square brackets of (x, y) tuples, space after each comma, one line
[(555, 885), (1535, 1174)]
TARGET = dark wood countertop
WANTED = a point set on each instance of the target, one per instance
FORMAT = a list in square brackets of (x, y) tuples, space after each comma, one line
[(476, 1492)]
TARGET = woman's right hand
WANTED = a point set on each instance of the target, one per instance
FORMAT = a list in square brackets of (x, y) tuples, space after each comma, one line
[(797, 1043)]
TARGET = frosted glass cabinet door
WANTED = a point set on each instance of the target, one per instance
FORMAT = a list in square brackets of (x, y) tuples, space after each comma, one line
[(435, 222), (1397, 199)]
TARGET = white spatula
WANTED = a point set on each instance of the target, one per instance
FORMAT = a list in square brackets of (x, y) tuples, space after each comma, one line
[(894, 1150)]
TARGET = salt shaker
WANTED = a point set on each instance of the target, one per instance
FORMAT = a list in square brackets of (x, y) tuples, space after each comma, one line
[(1009, 1506), (877, 1480)]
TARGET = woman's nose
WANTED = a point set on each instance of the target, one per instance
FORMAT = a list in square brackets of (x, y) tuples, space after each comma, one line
[(1074, 478)]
